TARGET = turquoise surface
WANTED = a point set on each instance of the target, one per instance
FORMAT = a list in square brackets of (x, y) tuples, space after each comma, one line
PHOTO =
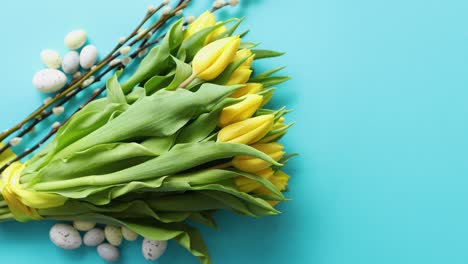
[(380, 97)]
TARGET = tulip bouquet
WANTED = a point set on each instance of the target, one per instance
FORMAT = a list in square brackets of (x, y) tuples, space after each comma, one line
[(185, 135)]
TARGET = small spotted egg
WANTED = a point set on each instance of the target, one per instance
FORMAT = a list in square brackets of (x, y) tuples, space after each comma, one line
[(51, 58), (71, 62), (113, 235), (65, 236), (75, 39), (88, 56), (153, 249), (108, 252), (49, 80), (94, 237)]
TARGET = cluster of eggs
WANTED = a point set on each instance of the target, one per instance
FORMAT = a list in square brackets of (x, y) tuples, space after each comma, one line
[(106, 240), (55, 77)]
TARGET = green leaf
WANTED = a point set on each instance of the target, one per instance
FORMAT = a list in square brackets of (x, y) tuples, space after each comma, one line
[(157, 83), (135, 95), (248, 45), (114, 91), (183, 72), (161, 114), (99, 159), (177, 186), (265, 74), (224, 77), (204, 218), (158, 59), (180, 158), (262, 54), (90, 118), (230, 31), (275, 134), (188, 201), (159, 145), (271, 81), (267, 97), (206, 123), (243, 34)]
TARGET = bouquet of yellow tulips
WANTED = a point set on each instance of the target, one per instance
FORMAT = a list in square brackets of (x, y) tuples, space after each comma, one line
[(185, 135)]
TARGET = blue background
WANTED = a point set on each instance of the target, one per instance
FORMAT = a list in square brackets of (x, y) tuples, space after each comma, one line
[(380, 97)]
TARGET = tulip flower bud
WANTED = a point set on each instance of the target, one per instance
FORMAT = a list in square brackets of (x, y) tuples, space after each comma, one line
[(212, 60), (278, 130), (251, 164), (249, 88), (242, 54), (240, 111), (279, 180), (240, 76), (205, 20), (216, 33), (248, 131), (247, 185)]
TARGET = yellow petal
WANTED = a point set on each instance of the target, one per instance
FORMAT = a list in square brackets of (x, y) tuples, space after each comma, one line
[(242, 54), (248, 131), (212, 60), (247, 185), (240, 76), (216, 33), (205, 20), (251, 164), (249, 88), (240, 111)]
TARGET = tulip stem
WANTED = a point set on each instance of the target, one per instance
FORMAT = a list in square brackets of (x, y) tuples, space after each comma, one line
[(188, 80)]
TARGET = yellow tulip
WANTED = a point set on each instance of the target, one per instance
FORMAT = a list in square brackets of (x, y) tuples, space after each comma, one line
[(22, 202), (212, 60), (240, 76), (249, 88), (216, 33), (279, 180), (205, 20), (240, 111), (247, 185), (275, 134), (248, 131), (251, 164), (242, 54)]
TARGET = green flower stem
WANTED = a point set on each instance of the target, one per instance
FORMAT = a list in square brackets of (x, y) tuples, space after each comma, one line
[(188, 81)]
